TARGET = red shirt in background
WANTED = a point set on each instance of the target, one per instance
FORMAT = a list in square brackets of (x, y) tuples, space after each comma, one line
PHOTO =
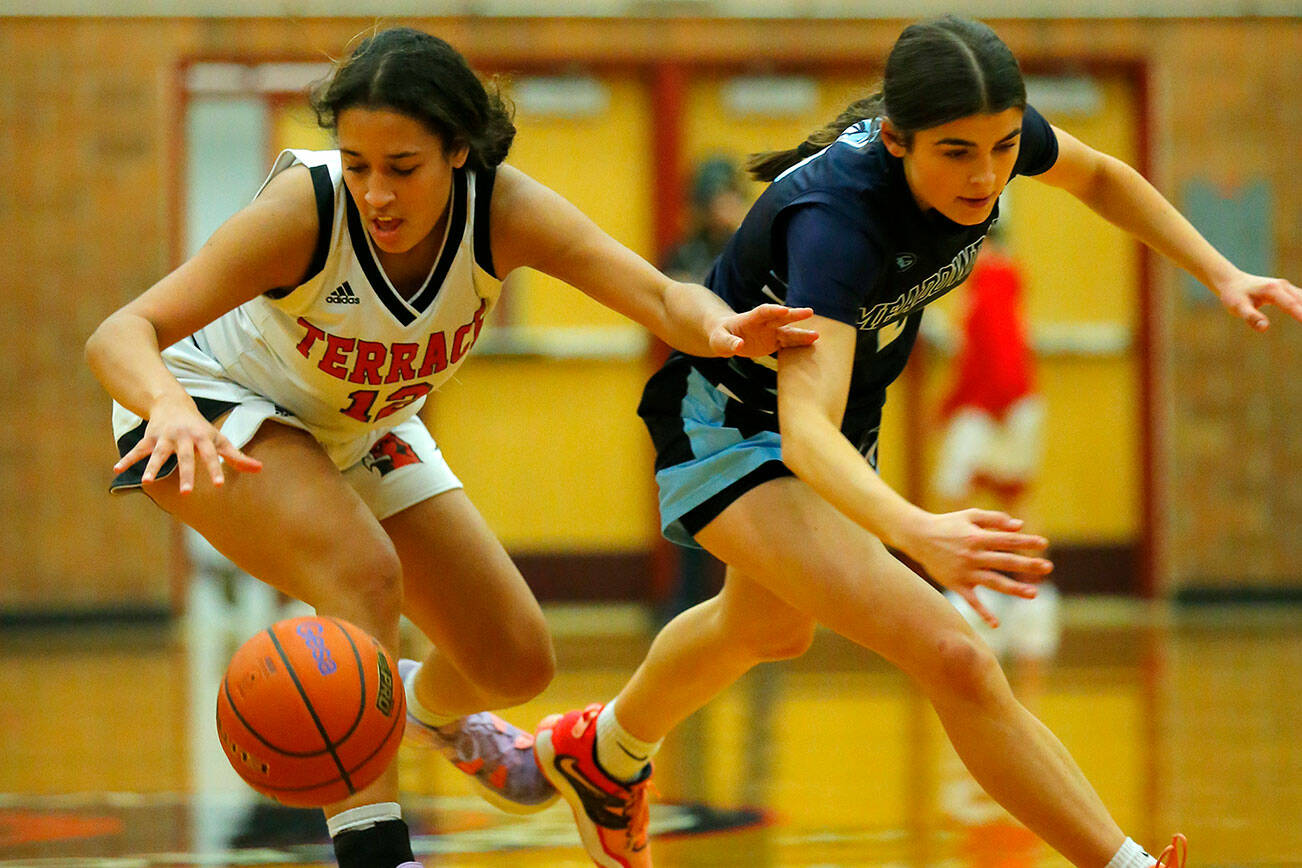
[(994, 367)]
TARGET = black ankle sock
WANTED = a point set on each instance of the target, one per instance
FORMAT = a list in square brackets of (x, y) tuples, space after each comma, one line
[(387, 844)]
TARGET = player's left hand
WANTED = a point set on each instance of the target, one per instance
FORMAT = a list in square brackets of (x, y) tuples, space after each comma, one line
[(762, 331), (1245, 294)]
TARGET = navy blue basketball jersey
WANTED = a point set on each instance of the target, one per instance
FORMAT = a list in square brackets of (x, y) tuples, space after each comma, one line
[(866, 254)]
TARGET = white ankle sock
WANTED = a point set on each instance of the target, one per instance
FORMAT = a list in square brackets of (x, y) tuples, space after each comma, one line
[(356, 819), (622, 755), (1131, 855), (418, 711)]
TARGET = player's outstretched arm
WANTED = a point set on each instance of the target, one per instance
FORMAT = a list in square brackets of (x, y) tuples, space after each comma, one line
[(1124, 197), (1246, 294), (534, 226), (265, 245), (961, 550)]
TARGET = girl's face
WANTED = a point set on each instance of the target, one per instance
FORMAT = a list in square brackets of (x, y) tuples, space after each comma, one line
[(960, 168), (398, 173)]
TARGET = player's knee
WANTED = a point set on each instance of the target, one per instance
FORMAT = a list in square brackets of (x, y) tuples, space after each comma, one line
[(534, 665), (779, 637), (793, 642), (370, 583), (520, 665), (968, 670), (530, 678)]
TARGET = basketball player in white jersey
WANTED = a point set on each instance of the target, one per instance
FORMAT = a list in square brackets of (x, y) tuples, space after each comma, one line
[(352, 286)]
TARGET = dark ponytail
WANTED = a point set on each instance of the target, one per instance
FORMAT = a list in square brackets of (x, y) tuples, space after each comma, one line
[(938, 71), (422, 76), (767, 165)]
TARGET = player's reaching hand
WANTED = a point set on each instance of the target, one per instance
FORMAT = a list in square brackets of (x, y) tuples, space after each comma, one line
[(762, 331), (962, 550), (177, 428), (1245, 294)]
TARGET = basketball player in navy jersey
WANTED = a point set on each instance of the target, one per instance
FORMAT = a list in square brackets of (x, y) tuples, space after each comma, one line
[(769, 463), (354, 284)]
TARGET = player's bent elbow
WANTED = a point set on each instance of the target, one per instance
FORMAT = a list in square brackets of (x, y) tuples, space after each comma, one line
[(92, 350)]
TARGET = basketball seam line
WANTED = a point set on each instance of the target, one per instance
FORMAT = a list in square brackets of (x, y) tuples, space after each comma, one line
[(325, 736), (361, 676)]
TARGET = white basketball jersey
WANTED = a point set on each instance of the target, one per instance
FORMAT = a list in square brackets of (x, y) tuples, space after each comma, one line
[(345, 352)]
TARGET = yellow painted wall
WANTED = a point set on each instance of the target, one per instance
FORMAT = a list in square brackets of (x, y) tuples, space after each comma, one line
[(552, 451), (710, 127), (601, 164), (293, 125)]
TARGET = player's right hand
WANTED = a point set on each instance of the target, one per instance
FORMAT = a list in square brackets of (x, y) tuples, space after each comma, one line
[(178, 428), (974, 547), (762, 331)]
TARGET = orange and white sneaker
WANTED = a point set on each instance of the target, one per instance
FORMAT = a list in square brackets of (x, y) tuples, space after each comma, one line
[(1173, 855), (612, 816)]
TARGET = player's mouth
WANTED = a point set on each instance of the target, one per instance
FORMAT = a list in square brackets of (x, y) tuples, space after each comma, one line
[(976, 201), (385, 229)]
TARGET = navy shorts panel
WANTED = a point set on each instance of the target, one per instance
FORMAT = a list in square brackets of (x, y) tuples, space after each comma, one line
[(712, 448), (708, 510)]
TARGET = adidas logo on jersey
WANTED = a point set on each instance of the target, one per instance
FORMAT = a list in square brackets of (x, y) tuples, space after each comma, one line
[(343, 294)]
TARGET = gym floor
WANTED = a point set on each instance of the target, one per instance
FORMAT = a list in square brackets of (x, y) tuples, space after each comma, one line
[(1184, 719)]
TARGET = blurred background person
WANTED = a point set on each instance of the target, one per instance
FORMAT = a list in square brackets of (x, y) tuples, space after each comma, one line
[(993, 418), (718, 199)]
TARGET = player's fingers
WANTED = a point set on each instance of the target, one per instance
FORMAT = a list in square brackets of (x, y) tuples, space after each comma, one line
[(1246, 310), (1287, 297), (793, 336), (766, 313), (185, 464), (1008, 585), (969, 594), (239, 460), (1008, 562), (141, 450), (211, 462), (725, 343), (993, 519), (157, 457), (792, 314), (1006, 541)]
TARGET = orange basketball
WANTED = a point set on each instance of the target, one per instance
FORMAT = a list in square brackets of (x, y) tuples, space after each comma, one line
[(310, 711)]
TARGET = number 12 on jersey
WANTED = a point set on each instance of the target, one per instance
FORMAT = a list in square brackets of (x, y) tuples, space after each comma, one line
[(363, 400)]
